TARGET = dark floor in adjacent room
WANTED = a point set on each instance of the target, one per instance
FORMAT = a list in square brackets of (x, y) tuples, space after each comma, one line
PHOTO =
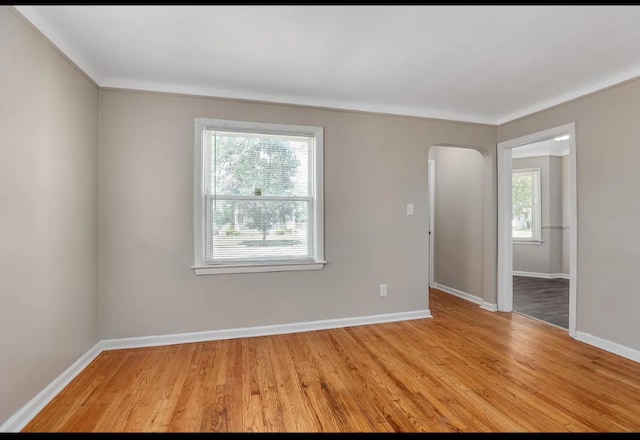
[(544, 299)]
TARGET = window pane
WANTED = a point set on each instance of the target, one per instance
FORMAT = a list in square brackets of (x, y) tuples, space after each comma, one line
[(522, 224), (259, 164), (522, 189), (522, 214), (255, 230)]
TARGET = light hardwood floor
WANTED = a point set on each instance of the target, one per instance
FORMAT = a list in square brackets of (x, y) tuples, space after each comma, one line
[(465, 369)]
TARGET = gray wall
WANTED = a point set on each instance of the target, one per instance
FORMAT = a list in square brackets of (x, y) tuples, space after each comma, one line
[(49, 215), (607, 154), (374, 166), (547, 257), (458, 219)]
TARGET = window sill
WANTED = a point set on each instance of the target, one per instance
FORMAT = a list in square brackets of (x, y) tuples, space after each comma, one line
[(534, 242), (255, 268)]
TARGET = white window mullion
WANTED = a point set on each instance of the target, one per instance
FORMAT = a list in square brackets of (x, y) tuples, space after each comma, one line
[(259, 198)]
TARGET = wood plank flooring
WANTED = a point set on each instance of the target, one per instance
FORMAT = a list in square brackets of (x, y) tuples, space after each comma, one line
[(544, 299), (465, 369)]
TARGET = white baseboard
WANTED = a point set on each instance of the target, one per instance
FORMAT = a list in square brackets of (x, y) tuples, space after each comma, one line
[(492, 307), (520, 273), (459, 293), (19, 420), (609, 346), (214, 335), (464, 295)]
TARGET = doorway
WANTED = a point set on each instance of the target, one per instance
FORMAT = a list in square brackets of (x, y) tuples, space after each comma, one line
[(456, 222), (527, 224), (540, 232)]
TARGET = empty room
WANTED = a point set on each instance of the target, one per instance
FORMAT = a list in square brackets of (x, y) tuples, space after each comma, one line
[(324, 218)]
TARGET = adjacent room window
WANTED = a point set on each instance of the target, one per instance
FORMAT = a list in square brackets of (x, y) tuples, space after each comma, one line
[(258, 203), (525, 222)]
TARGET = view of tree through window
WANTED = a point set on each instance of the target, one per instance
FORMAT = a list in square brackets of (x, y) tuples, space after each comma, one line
[(259, 196), (524, 190)]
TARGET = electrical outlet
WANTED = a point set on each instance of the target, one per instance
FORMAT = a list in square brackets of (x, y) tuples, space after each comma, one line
[(383, 290)]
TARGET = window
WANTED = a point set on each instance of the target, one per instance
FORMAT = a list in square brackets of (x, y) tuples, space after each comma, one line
[(525, 219), (258, 197)]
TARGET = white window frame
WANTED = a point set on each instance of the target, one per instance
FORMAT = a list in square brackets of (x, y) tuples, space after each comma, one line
[(536, 229), (200, 267)]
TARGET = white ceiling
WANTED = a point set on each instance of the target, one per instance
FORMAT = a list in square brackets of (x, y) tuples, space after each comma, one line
[(487, 64)]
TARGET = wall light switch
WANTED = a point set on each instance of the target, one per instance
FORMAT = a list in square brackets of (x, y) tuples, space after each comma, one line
[(409, 208)]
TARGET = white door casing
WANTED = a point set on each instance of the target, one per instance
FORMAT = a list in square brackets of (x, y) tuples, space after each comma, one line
[(505, 244)]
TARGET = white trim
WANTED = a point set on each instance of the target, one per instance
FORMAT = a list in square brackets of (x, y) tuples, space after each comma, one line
[(505, 231), (198, 193), (244, 94), (464, 295), (24, 415), (266, 330), (528, 242), (431, 188), (573, 232), (250, 268), (520, 273), (318, 188), (459, 293), (315, 198), (611, 347), (492, 307), (256, 198), (505, 242), (324, 103)]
